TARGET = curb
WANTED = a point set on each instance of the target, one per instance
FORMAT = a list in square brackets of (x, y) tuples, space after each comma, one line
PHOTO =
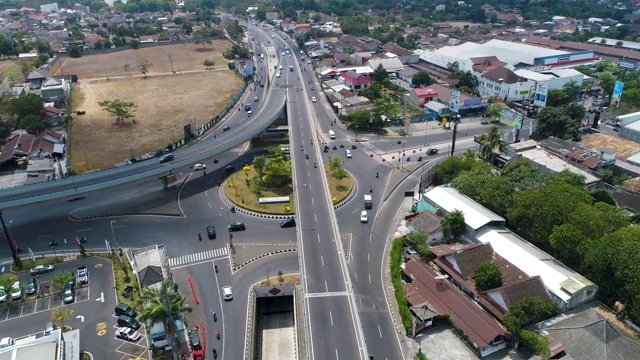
[(121, 214), (236, 268)]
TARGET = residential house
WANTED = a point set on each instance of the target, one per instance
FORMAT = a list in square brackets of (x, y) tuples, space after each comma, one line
[(342, 47), (36, 78), (589, 332), (502, 83), (441, 94), (52, 115), (405, 56), (342, 58), (361, 58), (460, 262), (327, 42), (389, 65), (302, 29), (425, 285), (170, 27), (428, 222), (511, 17), (407, 73), (56, 91), (354, 80)]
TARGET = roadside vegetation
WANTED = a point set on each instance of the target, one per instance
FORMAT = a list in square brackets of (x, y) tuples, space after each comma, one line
[(270, 176), (397, 249)]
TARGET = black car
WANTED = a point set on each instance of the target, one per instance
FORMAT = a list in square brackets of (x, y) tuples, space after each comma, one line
[(432, 151), (229, 169), (31, 286), (288, 223), (126, 321), (237, 226), (166, 158), (247, 107), (211, 232), (226, 128), (122, 309)]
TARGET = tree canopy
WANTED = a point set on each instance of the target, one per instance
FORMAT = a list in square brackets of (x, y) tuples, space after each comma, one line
[(488, 276), (453, 224), (121, 110)]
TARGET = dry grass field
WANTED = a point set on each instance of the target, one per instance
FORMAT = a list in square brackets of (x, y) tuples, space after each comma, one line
[(185, 57), (165, 103)]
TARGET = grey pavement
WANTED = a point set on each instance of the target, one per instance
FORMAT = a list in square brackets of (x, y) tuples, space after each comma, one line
[(244, 254), (147, 198)]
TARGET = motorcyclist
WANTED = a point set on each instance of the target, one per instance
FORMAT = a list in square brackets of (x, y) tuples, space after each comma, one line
[(315, 165)]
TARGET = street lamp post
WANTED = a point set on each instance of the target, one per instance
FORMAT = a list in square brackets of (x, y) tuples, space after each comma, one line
[(6, 232), (54, 252), (113, 236)]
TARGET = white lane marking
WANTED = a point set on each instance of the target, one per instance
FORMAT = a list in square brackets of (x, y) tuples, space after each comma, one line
[(379, 331), (331, 317), (322, 259), (326, 286), (318, 237), (356, 276), (369, 278), (368, 257)]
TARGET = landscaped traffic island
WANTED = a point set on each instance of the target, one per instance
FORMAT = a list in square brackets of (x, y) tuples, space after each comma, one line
[(265, 185)]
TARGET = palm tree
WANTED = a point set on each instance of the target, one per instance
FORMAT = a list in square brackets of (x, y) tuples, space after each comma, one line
[(469, 155), (160, 308), (491, 143), (572, 87)]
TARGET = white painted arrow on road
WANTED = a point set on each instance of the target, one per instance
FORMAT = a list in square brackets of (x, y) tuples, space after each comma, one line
[(80, 317), (101, 298)]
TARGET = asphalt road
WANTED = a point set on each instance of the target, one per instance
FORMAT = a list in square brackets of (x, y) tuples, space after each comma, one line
[(331, 317)]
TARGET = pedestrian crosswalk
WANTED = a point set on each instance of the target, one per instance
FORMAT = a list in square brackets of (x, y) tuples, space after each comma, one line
[(197, 257)]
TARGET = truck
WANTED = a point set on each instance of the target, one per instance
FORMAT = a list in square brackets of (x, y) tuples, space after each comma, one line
[(368, 203), (627, 119)]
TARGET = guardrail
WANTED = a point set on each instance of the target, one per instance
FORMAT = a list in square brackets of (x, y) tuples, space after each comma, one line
[(77, 185)]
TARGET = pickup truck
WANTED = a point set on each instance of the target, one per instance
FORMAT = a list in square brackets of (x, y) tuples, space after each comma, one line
[(83, 275)]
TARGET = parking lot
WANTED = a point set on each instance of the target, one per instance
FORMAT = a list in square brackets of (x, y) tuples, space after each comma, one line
[(93, 313)]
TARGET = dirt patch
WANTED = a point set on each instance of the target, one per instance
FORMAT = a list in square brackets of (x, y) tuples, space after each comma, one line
[(293, 279), (165, 104), (185, 57)]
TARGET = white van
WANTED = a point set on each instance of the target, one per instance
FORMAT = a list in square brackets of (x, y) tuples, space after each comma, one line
[(332, 134), (261, 56)]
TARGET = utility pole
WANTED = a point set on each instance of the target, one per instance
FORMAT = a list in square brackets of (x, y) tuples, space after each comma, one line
[(171, 61), (456, 120), (6, 232)]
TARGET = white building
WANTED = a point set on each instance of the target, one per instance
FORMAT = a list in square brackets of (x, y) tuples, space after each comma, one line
[(566, 287), (503, 83), (53, 7)]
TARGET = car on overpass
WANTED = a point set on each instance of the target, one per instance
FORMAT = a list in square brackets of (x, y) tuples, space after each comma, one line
[(166, 158), (199, 167)]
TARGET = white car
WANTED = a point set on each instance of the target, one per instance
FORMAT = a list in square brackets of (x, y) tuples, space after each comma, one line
[(126, 333), (280, 68), (249, 113), (273, 36), (199, 167), (364, 217), (16, 290), (313, 99), (227, 294), (347, 152), (3, 295), (278, 75)]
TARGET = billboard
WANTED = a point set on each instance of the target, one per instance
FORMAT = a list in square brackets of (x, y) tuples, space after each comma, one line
[(248, 68), (511, 118), (617, 94), (454, 101), (540, 96), (628, 65)]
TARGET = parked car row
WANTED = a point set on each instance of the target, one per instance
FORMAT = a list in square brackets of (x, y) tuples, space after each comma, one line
[(127, 324)]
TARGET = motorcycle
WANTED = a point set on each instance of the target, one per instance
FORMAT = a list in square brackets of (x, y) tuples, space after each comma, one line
[(377, 175), (218, 334), (215, 161), (215, 354), (200, 237), (53, 243), (335, 147), (306, 156), (233, 209), (315, 165), (341, 146), (216, 268), (83, 239), (215, 317)]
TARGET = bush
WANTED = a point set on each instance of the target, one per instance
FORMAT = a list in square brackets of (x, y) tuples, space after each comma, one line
[(396, 280)]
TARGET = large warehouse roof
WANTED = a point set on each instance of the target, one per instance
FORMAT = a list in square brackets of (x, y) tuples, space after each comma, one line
[(510, 52), (475, 215)]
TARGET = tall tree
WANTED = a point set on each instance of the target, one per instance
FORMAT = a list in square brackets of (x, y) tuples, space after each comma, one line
[(453, 224), (61, 314), (492, 143), (421, 78), (144, 65), (379, 74), (259, 163), (119, 109)]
